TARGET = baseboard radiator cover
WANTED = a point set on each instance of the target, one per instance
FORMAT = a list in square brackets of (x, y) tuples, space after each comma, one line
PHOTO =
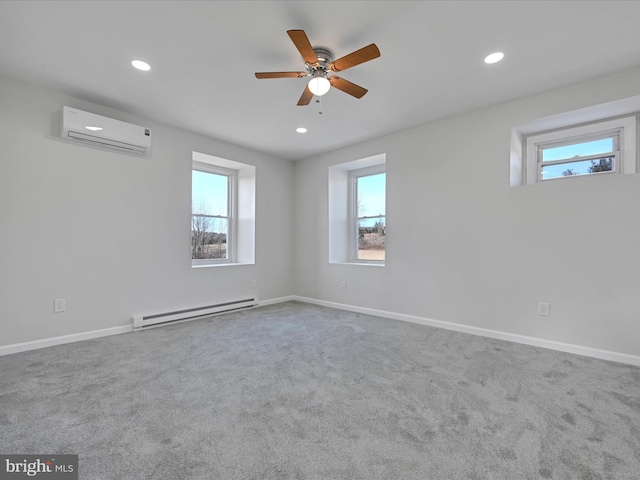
[(141, 322)]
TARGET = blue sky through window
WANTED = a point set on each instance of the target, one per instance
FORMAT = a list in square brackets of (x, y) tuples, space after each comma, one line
[(579, 149), (372, 195), (209, 193)]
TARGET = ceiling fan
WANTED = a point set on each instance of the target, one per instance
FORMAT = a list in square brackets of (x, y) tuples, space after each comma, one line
[(318, 63)]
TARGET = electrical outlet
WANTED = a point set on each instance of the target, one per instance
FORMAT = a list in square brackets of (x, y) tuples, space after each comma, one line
[(343, 285), (253, 284), (544, 309), (59, 305)]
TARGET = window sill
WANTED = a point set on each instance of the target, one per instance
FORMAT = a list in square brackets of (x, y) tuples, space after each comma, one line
[(214, 265), (362, 264)]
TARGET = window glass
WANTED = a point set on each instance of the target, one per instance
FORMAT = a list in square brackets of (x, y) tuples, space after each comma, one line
[(371, 216), (594, 147), (210, 216), (570, 159), (586, 167), (209, 193)]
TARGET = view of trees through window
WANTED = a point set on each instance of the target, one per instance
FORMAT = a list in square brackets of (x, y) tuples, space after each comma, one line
[(601, 165), (371, 215), (209, 215)]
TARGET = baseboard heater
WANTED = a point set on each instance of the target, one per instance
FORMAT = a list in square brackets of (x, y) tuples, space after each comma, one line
[(158, 319)]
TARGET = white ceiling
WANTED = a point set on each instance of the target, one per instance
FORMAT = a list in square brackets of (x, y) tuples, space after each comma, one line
[(204, 54)]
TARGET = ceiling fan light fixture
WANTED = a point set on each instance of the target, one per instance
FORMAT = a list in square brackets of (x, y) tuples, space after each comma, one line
[(319, 85)]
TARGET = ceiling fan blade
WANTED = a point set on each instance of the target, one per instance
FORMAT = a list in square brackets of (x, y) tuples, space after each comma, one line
[(347, 87), (356, 58), (303, 45), (280, 74), (306, 97)]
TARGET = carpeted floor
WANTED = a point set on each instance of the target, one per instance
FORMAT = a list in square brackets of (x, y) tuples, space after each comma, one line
[(297, 391)]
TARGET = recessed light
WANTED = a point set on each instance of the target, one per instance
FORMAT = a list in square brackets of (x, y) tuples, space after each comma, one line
[(494, 57), (301, 130), (94, 129), (140, 65)]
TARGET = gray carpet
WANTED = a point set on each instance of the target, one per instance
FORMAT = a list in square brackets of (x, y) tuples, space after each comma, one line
[(297, 391)]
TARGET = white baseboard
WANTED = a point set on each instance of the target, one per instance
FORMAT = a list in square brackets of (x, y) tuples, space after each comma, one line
[(50, 342), (272, 301), (77, 337), (483, 332)]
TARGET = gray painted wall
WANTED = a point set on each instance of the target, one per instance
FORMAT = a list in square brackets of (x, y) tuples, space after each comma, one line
[(110, 233), (465, 247)]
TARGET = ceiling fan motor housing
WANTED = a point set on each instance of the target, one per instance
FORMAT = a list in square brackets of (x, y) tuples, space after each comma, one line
[(325, 57)]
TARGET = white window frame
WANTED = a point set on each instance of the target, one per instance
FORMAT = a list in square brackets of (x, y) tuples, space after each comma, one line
[(232, 179), (340, 208), (624, 155), (354, 214)]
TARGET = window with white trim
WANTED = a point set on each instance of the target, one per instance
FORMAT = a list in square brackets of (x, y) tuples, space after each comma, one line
[(357, 211), (223, 213), (212, 214), (368, 213), (598, 148)]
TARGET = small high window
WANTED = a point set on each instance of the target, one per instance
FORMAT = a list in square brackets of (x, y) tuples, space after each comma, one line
[(597, 148), (584, 157)]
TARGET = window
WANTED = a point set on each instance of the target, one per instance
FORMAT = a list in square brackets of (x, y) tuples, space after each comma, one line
[(357, 211), (585, 157), (212, 221), (368, 213), (223, 211), (598, 148)]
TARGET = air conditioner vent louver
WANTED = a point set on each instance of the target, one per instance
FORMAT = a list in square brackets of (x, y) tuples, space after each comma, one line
[(105, 132), (107, 143)]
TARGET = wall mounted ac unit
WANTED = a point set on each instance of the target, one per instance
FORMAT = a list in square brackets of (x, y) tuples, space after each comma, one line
[(104, 132)]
